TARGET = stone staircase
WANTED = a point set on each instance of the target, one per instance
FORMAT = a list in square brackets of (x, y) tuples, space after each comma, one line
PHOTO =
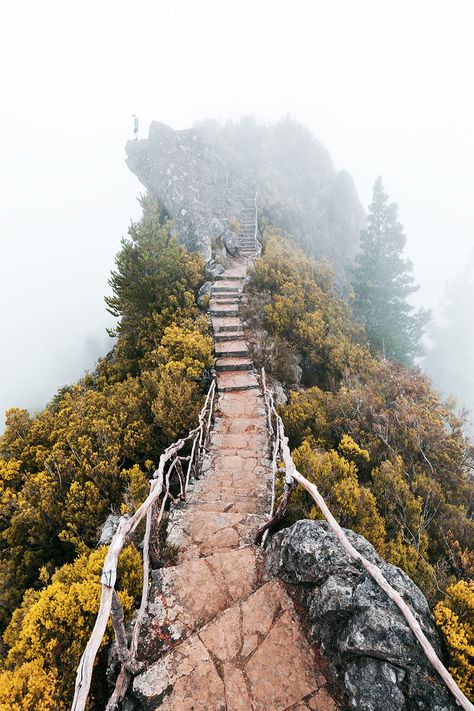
[(217, 636), (233, 365), (247, 223), (241, 200)]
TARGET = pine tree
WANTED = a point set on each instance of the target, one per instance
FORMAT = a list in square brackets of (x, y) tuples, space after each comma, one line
[(382, 282)]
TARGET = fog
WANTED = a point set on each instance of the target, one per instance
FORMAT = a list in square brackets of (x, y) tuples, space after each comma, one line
[(386, 87)]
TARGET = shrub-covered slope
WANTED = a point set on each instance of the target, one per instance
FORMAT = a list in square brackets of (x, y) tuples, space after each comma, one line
[(90, 452), (389, 457)]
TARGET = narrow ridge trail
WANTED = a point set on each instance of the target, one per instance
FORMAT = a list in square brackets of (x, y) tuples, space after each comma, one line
[(218, 637)]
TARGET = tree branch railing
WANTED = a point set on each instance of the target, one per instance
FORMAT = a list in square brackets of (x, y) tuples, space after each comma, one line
[(169, 468), (281, 452)]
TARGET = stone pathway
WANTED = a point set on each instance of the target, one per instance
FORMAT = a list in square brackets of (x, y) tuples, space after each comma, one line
[(218, 637)]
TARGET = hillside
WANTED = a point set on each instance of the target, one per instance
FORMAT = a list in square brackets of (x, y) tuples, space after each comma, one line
[(211, 286)]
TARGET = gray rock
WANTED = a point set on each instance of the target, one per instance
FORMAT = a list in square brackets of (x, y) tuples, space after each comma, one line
[(204, 291), (205, 178), (190, 177), (231, 242), (108, 529), (214, 269), (278, 391), (377, 659)]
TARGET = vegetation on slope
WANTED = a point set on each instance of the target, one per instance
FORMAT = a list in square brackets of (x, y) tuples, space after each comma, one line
[(90, 452), (390, 458)]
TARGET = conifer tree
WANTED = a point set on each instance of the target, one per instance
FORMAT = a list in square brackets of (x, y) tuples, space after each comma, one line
[(383, 281)]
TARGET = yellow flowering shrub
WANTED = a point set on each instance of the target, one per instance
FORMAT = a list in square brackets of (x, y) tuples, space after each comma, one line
[(455, 618), (351, 450), (185, 348), (30, 688), (48, 632), (351, 503)]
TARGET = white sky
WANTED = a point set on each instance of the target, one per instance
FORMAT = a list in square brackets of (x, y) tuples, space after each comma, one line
[(386, 86)]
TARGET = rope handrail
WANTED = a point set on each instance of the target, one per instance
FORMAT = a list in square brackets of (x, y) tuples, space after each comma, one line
[(293, 477), (169, 463)]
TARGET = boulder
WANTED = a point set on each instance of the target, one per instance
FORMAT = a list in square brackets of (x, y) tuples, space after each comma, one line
[(108, 529), (214, 269), (231, 242), (278, 391), (204, 293), (189, 176), (376, 657)]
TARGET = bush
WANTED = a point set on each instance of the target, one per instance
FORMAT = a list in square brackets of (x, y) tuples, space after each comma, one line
[(455, 618), (48, 633)]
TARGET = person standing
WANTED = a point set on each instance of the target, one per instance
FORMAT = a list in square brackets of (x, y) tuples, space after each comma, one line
[(135, 127)]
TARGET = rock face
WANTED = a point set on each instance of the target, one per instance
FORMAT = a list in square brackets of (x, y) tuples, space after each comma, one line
[(192, 182), (108, 529), (206, 179), (376, 656)]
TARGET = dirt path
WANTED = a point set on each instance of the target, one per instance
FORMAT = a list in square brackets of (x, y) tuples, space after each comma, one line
[(218, 637)]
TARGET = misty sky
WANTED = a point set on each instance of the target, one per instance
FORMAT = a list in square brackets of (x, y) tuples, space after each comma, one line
[(387, 87)]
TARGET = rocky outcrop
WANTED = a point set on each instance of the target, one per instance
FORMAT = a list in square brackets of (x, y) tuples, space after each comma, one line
[(192, 181), (108, 529), (376, 657), (205, 178)]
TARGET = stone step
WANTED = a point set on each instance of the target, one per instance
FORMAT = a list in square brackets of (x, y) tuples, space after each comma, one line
[(227, 336), (226, 364), (228, 277), (199, 533), (197, 590), (237, 274), (231, 348), (227, 324), (234, 381), (235, 297), (236, 660), (224, 310), (225, 302), (223, 287)]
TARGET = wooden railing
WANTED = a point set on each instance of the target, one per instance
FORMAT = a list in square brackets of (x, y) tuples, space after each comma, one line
[(281, 453), (171, 468)]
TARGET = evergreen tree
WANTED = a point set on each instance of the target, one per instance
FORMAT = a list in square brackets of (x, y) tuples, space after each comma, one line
[(382, 282)]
